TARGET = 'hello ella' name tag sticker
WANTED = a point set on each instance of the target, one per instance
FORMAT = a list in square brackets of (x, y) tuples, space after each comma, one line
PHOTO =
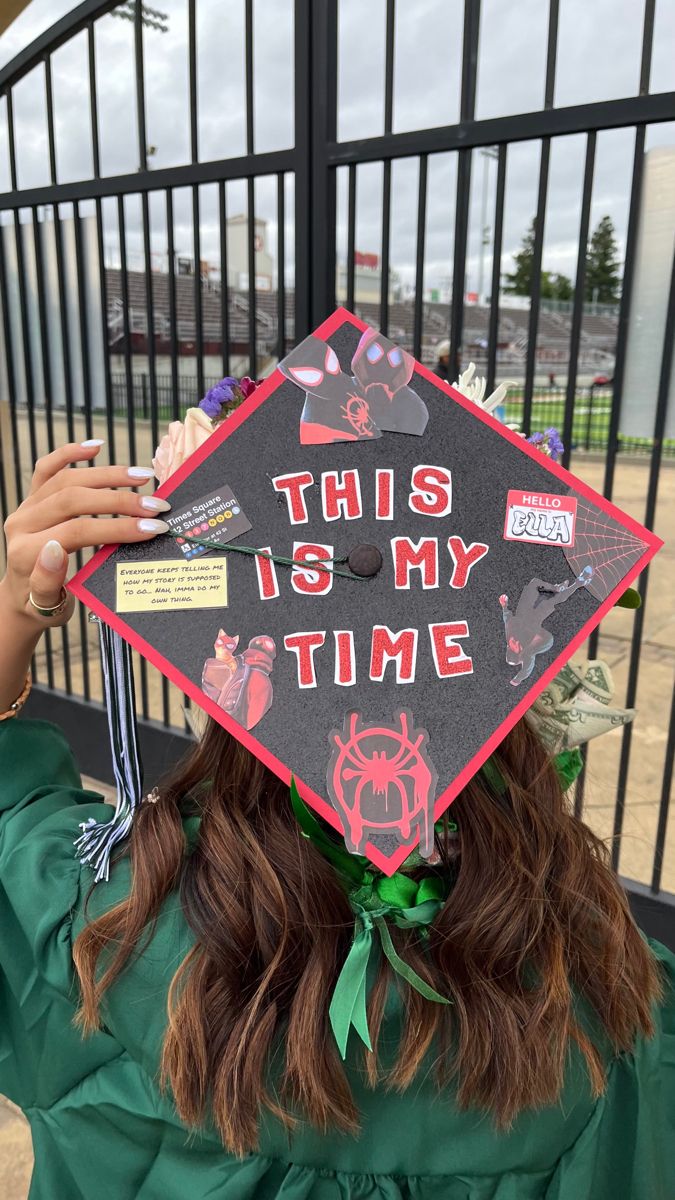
[(540, 517)]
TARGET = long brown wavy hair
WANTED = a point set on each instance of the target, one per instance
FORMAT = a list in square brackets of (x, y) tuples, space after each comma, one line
[(535, 920)]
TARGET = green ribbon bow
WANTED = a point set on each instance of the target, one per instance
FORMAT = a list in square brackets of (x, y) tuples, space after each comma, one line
[(374, 900), (407, 904)]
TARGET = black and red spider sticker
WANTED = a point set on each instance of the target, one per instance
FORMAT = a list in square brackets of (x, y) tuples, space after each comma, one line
[(374, 399), (382, 780)]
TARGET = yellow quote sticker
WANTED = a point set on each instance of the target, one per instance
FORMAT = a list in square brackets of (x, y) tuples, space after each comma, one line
[(157, 586)]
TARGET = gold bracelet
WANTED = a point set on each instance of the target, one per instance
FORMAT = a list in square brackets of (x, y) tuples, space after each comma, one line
[(15, 708)]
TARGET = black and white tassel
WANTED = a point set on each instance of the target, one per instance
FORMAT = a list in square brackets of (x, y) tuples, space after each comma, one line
[(99, 838)]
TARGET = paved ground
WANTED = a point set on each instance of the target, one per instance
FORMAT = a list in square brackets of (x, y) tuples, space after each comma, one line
[(655, 687)]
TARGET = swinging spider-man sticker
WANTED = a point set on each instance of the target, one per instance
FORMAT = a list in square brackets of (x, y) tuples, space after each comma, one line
[(381, 780), (375, 398)]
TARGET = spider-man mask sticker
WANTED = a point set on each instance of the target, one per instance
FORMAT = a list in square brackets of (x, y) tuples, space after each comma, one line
[(373, 397), (364, 648)]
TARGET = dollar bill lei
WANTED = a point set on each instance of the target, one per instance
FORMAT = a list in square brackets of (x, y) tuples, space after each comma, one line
[(377, 899)]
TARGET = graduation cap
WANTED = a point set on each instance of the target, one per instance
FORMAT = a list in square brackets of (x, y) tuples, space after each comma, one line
[(367, 580)]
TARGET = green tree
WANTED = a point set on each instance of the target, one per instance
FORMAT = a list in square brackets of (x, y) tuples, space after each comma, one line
[(519, 282), (603, 279), (556, 287)]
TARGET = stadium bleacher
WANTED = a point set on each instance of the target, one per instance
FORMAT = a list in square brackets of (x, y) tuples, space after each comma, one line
[(598, 335)]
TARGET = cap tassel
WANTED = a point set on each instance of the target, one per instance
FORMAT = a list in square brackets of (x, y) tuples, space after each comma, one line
[(98, 838)]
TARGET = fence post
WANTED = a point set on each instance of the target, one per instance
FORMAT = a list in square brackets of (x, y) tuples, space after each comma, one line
[(589, 415), (144, 394)]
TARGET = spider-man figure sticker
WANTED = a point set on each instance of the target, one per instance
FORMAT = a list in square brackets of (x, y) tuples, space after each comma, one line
[(405, 575)]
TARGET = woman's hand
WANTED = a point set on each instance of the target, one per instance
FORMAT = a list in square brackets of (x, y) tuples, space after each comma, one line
[(63, 513)]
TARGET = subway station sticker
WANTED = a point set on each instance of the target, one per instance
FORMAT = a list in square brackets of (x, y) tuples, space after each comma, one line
[(540, 517), (217, 517)]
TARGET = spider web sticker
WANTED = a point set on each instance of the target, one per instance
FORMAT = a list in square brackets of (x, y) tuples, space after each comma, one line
[(606, 546)]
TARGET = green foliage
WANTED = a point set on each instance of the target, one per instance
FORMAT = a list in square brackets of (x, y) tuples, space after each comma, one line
[(603, 279), (556, 287), (519, 282)]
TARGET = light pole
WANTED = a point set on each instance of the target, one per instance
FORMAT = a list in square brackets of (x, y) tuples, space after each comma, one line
[(490, 152)]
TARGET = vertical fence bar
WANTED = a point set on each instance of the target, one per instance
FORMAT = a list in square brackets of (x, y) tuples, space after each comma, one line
[(386, 166), (302, 58), (140, 88), (199, 331), (664, 803), (650, 512), (105, 336), (63, 321), (324, 30), (150, 319), (44, 330), (250, 192), (173, 328), (224, 293), (281, 267), (192, 60), (126, 325), (86, 395), (578, 306), (493, 326), (11, 370), (351, 235), (21, 281), (252, 348), (419, 256), (467, 111), (93, 101), (25, 337), (535, 290), (84, 321)]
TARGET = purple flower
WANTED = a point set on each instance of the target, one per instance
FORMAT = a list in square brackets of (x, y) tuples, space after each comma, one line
[(548, 442), (216, 397)]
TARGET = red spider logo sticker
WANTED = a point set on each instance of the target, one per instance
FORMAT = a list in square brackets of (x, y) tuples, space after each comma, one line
[(382, 780), (357, 413)]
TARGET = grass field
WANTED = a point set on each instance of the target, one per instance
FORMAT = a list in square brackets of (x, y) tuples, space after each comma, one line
[(590, 425)]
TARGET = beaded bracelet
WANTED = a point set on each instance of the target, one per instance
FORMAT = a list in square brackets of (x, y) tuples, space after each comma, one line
[(15, 708)]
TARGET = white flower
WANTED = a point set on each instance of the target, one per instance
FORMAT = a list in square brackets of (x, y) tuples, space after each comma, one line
[(474, 389)]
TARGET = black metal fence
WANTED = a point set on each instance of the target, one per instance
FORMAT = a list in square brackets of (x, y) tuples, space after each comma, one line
[(79, 255)]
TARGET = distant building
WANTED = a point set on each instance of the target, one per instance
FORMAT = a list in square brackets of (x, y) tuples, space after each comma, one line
[(237, 254), (367, 279), (649, 301)]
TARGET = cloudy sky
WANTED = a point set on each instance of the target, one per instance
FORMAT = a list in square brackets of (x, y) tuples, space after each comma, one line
[(598, 59)]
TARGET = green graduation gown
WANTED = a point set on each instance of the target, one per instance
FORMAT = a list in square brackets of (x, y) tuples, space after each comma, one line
[(103, 1131)]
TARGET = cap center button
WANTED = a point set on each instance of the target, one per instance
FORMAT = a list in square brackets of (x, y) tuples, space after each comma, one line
[(365, 561)]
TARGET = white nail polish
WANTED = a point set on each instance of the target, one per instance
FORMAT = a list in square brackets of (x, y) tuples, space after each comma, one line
[(147, 525), (92, 442), (154, 504), (51, 556), (140, 472)]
